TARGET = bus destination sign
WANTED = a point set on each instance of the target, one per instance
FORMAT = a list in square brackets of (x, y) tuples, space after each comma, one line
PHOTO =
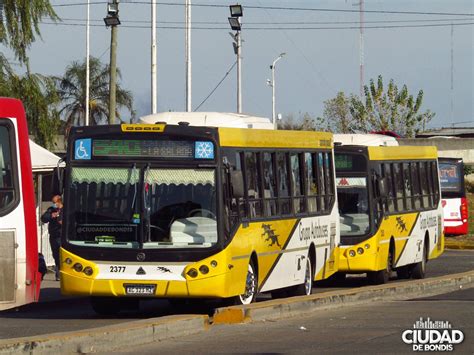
[(142, 148)]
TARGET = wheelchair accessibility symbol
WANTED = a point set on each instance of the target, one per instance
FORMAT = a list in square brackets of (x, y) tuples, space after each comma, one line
[(82, 149)]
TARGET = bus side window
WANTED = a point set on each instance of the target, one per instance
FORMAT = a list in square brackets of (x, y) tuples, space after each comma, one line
[(297, 187), (407, 185), (435, 174), (415, 180), (387, 174), (283, 184), (8, 192), (233, 196), (311, 183), (254, 202), (424, 182), (269, 185), (398, 175)]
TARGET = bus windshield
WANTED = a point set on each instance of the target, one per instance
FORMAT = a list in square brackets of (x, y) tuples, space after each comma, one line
[(142, 207), (353, 203), (451, 178)]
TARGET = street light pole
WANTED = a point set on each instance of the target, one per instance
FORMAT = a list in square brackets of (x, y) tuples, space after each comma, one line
[(272, 84), (113, 21), (236, 12), (86, 119), (153, 56), (188, 55)]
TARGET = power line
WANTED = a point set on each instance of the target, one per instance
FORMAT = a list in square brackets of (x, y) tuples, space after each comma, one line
[(279, 8), (271, 28), (218, 84)]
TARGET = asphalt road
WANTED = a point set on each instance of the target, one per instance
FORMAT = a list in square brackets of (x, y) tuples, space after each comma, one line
[(367, 329), (58, 314)]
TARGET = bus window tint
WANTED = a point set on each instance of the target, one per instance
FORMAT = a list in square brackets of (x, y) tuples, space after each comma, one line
[(397, 172), (252, 187), (322, 182), (269, 185), (7, 191), (181, 206), (407, 185), (283, 184), (311, 182), (328, 179), (298, 193), (415, 180), (387, 174)]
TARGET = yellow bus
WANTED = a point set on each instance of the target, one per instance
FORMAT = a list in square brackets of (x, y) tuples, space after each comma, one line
[(182, 212), (390, 210)]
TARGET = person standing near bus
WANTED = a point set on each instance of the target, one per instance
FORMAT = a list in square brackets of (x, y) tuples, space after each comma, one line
[(53, 216)]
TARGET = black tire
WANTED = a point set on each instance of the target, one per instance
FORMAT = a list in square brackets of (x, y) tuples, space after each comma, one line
[(306, 288), (419, 269), (251, 287), (106, 306), (404, 272), (382, 276)]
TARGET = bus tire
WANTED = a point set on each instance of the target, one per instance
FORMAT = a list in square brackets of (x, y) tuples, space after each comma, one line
[(306, 288), (106, 306), (251, 286), (404, 272), (419, 269), (382, 276)]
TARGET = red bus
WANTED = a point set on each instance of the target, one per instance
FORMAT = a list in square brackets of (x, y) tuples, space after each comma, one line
[(19, 276), (453, 193)]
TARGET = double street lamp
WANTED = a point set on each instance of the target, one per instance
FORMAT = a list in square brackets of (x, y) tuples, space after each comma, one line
[(236, 12)]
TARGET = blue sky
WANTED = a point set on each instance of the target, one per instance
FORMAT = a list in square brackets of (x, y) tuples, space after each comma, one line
[(318, 64)]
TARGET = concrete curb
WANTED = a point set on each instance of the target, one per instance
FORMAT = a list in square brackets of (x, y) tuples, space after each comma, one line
[(107, 338), (297, 306), (459, 245)]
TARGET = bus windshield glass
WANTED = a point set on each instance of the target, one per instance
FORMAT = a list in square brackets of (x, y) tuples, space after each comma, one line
[(451, 177), (353, 206), (142, 207)]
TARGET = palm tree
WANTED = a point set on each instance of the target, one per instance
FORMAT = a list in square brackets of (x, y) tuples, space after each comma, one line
[(72, 91)]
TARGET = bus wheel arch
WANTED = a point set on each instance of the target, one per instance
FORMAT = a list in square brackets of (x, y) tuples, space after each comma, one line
[(251, 282), (419, 269), (312, 259), (382, 276)]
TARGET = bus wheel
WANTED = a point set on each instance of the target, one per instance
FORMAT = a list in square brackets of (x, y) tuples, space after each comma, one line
[(419, 269), (404, 272), (306, 287), (107, 306), (251, 284), (382, 276)]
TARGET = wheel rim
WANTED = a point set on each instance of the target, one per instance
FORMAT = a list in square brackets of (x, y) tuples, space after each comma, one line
[(250, 287), (308, 280)]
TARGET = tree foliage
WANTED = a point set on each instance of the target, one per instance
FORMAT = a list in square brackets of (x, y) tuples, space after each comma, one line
[(72, 91), (21, 24), (394, 110), (40, 100), (305, 122), (337, 115)]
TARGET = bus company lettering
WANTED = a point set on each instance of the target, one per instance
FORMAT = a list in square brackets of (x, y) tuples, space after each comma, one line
[(428, 222), (313, 231)]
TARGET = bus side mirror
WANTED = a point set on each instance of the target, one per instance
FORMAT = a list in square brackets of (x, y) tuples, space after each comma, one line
[(237, 181), (382, 184), (58, 180)]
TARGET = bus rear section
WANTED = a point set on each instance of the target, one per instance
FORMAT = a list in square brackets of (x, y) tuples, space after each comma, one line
[(19, 277), (390, 210), (183, 212), (453, 193)]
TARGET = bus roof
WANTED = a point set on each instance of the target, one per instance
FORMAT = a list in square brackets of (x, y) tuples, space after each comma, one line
[(210, 119), (365, 139), (260, 138), (401, 153)]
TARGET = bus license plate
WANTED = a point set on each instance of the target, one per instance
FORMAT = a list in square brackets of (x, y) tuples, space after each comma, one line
[(146, 290)]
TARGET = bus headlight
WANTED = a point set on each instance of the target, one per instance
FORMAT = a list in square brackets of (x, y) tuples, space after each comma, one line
[(68, 261), (214, 263), (203, 269), (360, 251), (77, 267), (367, 246), (192, 273), (88, 271), (352, 253)]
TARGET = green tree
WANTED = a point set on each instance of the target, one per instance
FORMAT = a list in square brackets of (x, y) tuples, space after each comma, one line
[(304, 122), (337, 115), (72, 91), (21, 24), (393, 110), (39, 97)]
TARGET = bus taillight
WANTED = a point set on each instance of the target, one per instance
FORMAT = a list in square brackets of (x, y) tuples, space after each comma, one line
[(463, 209)]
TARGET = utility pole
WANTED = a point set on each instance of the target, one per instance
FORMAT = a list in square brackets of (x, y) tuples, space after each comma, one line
[(86, 120), (153, 57), (112, 20), (239, 72), (452, 74), (187, 44), (236, 12), (361, 47)]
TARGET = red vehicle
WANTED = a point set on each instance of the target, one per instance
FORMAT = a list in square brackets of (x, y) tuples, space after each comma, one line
[(19, 276), (453, 193)]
